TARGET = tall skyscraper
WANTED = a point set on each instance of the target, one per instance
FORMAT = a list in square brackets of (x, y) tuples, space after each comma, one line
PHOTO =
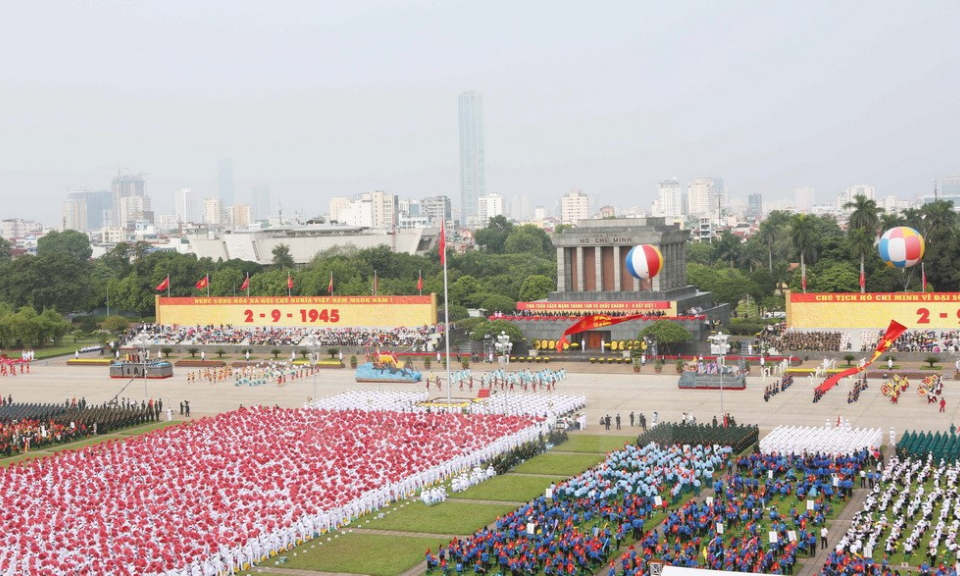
[(75, 215), (472, 155), (225, 187), (126, 187), (670, 199), (260, 202), (704, 195), (186, 206), (437, 208), (574, 206), (755, 205), (804, 198)]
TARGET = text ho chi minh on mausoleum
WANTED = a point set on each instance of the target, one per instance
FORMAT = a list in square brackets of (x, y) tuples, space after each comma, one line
[(592, 278)]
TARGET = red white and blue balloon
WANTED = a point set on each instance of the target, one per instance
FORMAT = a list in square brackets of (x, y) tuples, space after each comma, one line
[(901, 247), (644, 261)]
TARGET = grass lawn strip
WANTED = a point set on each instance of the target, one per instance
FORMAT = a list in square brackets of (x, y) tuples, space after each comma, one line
[(450, 517), (374, 554), (508, 488), (595, 443), (560, 464)]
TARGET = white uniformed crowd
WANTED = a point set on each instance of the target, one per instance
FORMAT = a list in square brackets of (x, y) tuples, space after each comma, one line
[(224, 492), (820, 440)]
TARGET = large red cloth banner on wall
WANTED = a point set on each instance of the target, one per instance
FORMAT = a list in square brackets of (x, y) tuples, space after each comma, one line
[(592, 323)]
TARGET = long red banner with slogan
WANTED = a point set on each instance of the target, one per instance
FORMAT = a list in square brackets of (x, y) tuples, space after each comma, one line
[(593, 322), (890, 336)]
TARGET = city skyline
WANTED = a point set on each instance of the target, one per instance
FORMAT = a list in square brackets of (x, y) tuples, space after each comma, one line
[(302, 104)]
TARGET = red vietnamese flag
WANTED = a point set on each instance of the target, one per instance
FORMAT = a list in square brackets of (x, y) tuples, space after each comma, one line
[(163, 285), (246, 284), (863, 278), (289, 281), (443, 244), (591, 323), (204, 282), (330, 285), (420, 282)]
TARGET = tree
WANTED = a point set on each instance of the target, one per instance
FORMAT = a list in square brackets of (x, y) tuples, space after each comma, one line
[(801, 234), (71, 243), (728, 248), (498, 303), (494, 328), (281, 257), (536, 287), (768, 235), (861, 244), (493, 238), (5, 250), (116, 325), (666, 333), (700, 253), (865, 214), (457, 313), (528, 239), (464, 291)]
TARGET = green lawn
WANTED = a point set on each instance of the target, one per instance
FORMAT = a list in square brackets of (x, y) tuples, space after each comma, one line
[(356, 553), (559, 464), (68, 346), (450, 517), (595, 443), (508, 488)]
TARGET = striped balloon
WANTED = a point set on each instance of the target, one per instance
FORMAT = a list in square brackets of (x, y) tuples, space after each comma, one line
[(901, 247), (644, 261)]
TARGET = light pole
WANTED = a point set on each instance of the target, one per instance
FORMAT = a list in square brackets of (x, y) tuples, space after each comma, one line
[(718, 347)]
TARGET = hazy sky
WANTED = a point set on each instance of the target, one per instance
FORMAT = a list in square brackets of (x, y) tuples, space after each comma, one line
[(321, 99)]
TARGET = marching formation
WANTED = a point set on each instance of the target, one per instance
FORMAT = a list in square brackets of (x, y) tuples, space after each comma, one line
[(195, 499)]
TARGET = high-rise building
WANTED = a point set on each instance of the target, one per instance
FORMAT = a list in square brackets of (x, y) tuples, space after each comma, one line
[(472, 155), (755, 205), (704, 196), (437, 208), (260, 202), (574, 206), (338, 205), (124, 187), (850, 194), (670, 202), (75, 215), (519, 207), (225, 181), (133, 208), (186, 206), (540, 213), (212, 211), (241, 215), (804, 198), (384, 207), (490, 206)]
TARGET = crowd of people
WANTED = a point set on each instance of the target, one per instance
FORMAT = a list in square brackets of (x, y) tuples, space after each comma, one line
[(802, 340), (200, 499), (913, 509), (778, 386), (859, 386), (259, 374), (933, 341), (401, 337)]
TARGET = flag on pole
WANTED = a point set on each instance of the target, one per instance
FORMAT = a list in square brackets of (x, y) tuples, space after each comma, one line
[(923, 276), (420, 282), (165, 285), (289, 281), (375, 283), (330, 285), (246, 284), (803, 277), (863, 278), (443, 244), (203, 282)]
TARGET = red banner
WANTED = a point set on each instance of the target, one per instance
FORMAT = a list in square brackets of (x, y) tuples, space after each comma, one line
[(592, 323), (893, 332)]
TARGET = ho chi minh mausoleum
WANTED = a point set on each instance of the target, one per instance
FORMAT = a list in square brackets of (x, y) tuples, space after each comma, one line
[(592, 277)]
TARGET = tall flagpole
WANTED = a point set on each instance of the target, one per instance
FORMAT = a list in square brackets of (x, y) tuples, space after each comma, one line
[(168, 285), (208, 285), (248, 284), (446, 324), (420, 282)]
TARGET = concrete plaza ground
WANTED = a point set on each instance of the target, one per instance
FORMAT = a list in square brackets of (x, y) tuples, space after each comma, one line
[(609, 390)]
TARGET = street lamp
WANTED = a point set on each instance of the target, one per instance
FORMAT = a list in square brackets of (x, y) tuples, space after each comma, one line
[(719, 347), (504, 346)]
